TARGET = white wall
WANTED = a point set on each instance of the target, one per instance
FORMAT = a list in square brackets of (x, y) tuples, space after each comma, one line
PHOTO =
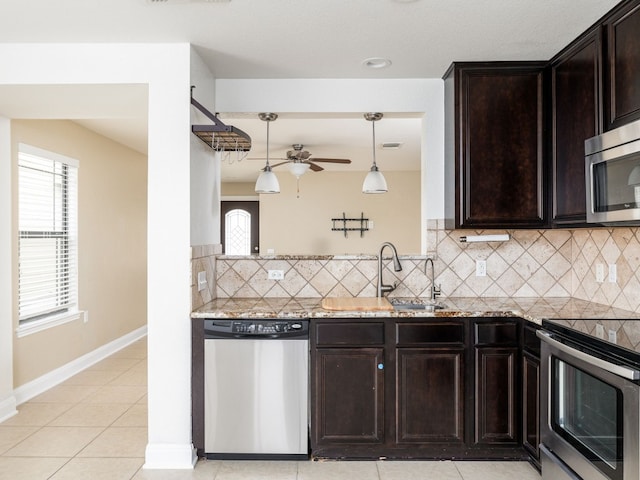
[(112, 252), (355, 95), (165, 69), (7, 398), (205, 163)]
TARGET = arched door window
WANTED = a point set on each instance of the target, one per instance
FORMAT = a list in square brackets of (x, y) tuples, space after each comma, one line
[(237, 239), (240, 228)]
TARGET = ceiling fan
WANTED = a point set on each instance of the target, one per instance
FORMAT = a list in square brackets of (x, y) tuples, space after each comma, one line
[(300, 157)]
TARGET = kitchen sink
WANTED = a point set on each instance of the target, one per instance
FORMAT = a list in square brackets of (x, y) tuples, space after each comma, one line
[(399, 304)]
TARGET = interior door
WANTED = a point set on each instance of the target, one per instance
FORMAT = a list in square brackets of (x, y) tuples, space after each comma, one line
[(240, 234)]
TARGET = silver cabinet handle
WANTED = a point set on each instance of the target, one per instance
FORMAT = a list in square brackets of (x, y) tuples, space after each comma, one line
[(624, 372)]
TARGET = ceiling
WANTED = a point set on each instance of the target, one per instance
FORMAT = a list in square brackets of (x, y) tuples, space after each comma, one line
[(289, 39)]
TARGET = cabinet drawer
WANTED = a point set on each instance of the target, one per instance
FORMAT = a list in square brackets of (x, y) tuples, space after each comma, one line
[(496, 333), (429, 333), (350, 333)]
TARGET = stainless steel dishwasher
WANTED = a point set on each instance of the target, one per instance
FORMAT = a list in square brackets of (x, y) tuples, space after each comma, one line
[(256, 389)]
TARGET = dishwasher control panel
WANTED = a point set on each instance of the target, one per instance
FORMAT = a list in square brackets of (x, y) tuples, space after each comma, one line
[(266, 328), (255, 328)]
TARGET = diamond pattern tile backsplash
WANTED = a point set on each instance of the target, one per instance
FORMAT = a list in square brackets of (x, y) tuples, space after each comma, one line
[(533, 263)]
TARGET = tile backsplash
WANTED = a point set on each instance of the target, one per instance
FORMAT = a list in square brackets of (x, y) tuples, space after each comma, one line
[(533, 263)]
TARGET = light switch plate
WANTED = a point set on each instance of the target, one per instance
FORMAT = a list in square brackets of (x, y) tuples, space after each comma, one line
[(202, 281), (599, 331), (613, 273), (481, 268)]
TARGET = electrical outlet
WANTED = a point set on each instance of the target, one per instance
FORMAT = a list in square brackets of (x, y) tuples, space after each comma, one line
[(85, 317), (613, 338), (481, 268), (613, 273), (599, 331), (271, 251), (202, 281), (370, 224), (599, 273), (276, 274)]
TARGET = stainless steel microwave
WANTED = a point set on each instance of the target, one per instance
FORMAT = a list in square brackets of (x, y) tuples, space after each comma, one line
[(612, 174)]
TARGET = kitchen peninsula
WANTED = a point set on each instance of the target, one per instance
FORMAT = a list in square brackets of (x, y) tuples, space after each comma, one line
[(461, 382)]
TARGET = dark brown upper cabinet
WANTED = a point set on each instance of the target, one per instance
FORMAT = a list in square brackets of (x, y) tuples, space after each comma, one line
[(494, 145), (576, 114), (623, 64)]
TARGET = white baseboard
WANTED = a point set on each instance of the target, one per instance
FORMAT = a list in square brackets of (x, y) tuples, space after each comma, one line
[(41, 384), (8, 408), (170, 456)]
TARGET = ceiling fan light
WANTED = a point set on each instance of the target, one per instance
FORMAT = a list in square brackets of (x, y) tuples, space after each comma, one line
[(298, 168), (267, 182), (374, 182)]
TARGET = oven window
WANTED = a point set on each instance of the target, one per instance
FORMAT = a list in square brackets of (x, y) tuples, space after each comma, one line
[(587, 413)]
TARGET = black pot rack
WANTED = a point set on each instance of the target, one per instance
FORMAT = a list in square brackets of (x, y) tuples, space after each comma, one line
[(219, 136)]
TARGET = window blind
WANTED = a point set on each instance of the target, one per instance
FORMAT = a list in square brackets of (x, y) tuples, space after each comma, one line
[(48, 233)]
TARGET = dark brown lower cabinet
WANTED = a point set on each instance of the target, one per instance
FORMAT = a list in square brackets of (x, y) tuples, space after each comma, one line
[(431, 388), (531, 392), (531, 404), (349, 389), (430, 395), (496, 392)]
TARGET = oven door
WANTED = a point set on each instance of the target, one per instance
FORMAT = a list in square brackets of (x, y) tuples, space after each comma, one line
[(589, 412)]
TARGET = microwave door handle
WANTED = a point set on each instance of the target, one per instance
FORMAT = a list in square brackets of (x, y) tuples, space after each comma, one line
[(624, 372)]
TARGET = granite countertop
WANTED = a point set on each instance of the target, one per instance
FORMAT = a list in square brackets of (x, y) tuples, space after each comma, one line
[(532, 309)]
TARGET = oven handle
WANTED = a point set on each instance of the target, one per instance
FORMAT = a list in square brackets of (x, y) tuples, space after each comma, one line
[(624, 372)]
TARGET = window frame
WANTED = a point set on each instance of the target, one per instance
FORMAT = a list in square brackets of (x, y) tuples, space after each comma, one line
[(67, 234)]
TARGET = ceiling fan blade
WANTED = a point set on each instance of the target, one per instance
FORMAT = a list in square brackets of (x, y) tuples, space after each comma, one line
[(278, 164), (314, 167), (331, 160)]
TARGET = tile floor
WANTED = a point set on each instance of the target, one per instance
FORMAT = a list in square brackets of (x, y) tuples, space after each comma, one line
[(94, 426)]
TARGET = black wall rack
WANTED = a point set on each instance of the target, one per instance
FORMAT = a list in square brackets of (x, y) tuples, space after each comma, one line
[(364, 224)]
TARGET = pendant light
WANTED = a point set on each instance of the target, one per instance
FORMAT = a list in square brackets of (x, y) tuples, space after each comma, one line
[(267, 181), (374, 182)]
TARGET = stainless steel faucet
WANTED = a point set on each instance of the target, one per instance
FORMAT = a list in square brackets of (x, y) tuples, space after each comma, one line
[(435, 291), (382, 288)]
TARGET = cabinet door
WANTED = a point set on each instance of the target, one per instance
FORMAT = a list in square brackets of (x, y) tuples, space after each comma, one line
[(623, 65), (430, 395), (531, 404), (499, 151), (576, 115), (496, 404), (349, 395)]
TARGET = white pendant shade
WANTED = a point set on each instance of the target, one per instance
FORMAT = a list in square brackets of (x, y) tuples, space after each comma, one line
[(298, 168), (374, 182), (267, 182)]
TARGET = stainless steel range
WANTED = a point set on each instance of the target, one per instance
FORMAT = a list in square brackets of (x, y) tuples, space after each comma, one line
[(590, 407)]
